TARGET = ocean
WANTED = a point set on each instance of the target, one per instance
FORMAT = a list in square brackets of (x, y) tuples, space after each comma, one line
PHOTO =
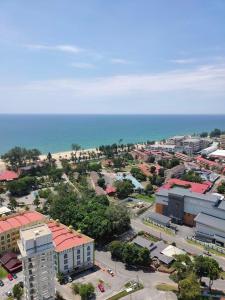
[(56, 133)]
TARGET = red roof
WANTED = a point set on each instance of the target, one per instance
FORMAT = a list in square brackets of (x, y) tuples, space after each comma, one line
[(11, 262), (207, 162), (145, 169), (64, 238), (110, 189), (20, 220), (194, 187), (8, 175)]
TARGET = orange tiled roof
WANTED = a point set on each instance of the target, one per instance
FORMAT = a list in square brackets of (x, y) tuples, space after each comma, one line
[(65, 238), (19, 220)]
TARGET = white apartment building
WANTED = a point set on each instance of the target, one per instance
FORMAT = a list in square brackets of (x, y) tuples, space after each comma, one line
[(74, 251), (37, 255)]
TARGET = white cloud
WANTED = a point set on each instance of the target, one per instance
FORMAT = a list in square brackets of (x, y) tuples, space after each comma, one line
[(120, 61), (207, 78), (61, 48), (81, 65), (183, 61)]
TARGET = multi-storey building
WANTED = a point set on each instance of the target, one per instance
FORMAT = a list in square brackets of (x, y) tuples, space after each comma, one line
[(74, 251), (37, 255), (204, 211), (11, 225)]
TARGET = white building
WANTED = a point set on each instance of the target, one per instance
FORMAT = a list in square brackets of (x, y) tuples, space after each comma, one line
[(37, 255), (74, 251)]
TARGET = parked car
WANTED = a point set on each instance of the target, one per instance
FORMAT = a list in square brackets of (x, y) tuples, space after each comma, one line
[(21, 284), (14, 276), (101, 287), (207, 253), (9, 293), (68, 278), (9, 276), (1, 283), (110, 272)]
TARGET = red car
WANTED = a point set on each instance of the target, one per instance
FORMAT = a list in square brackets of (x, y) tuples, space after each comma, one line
[(101, 287), (10, 277)]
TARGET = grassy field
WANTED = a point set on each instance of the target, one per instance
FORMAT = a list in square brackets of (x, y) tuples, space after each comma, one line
[(3, 273), (166, 287), (124, 293), (145, 198)]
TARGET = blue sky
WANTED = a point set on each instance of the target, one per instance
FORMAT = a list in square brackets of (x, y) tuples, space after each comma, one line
[(121, 56)]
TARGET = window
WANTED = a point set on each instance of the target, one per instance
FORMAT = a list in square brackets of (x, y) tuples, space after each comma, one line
[(65, 261), (65, 255), (88, 258), (88, 253), (66, 267), (2, 238), (88, 248), (78, 262), (78, 251), (8, 236), (78, 257)]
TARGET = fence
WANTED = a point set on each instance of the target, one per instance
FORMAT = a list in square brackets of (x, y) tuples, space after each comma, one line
[(208, 245)]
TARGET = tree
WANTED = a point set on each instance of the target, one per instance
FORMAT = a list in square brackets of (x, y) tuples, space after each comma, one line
[(221, 188), (213, 270), (215, 133), (116, 249), (151, 159), (192, 176), (21, 186), (189, 288), (12, 203), (85, 290), (149, 188), (161, 172), (138, 174), (101, 182), (95, 167), (36, 201), (60, 277), (17, 291), (200, 266), (18, 156), (49, 157), (183, 266), (75, 147), (152, 169), (204, 134), (123, 188)]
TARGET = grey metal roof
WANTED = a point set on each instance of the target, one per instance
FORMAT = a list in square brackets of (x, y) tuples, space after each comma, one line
[(211, 221), (158, 217), (185, 192), (156, 250), (222, 205), (142, 242)]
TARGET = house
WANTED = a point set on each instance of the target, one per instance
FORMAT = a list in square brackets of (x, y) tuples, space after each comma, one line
[(8, 175), (11, 262), (175, 171)]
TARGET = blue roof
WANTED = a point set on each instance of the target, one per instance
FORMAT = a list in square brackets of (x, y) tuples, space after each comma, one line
[(137, 184)]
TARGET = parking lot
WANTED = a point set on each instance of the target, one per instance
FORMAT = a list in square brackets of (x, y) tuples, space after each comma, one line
[(8, 285)]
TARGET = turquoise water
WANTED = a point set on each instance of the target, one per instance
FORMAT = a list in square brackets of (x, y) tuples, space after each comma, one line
[(57, 132)]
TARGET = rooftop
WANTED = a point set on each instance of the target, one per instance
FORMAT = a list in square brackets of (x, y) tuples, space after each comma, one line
[(66, 238), (211, 221), (219, 153), (8, 175), (33, 232), (192, 186), (187, 193), (19, 220)]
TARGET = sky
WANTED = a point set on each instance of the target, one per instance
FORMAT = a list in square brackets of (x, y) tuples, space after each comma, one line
[(112, 57)]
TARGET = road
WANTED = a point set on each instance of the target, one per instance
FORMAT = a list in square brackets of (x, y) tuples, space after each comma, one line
[(181, 242), (122, 275)]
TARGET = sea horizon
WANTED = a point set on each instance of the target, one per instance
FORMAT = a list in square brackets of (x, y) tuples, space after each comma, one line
[(56, 132)]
